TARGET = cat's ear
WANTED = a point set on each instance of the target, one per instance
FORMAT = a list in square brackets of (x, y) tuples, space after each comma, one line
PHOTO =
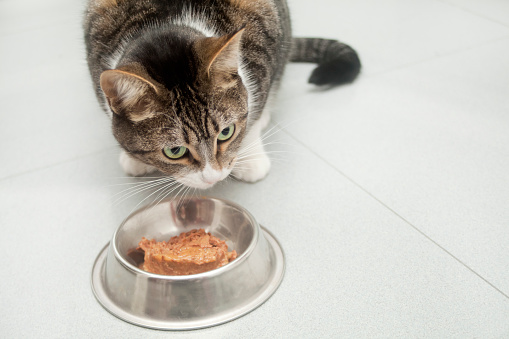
[(220, 54), (129, 94)]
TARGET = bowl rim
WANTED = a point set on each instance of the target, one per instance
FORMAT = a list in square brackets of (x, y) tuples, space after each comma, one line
[(189, 277)]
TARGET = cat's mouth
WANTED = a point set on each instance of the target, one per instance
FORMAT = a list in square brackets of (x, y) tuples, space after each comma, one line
[(196, 184), (205, 179), (205, 185)]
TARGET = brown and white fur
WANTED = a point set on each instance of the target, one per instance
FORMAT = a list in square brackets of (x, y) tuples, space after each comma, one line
[(178, 75)]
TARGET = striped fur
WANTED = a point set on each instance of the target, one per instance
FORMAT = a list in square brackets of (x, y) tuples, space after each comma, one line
[(337, 62), (171, 74)]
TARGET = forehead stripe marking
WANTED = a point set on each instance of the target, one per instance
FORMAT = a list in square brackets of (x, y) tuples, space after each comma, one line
[(200, 119), (188, 125), (186, 119), (214, 123), (186, 136), (204, 119)]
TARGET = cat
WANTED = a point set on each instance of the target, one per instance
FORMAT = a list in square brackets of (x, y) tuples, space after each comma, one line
[(186, 82)]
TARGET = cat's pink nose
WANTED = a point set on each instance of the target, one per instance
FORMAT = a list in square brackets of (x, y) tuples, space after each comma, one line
[(210, 175)]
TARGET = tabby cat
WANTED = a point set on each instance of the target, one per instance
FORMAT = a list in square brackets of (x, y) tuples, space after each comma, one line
[(186, 82)]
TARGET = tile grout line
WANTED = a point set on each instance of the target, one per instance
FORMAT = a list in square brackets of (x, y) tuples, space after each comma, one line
[(4, 34), (473, 13), (30, 171), (397, 215), (410, 64), (439, 56)]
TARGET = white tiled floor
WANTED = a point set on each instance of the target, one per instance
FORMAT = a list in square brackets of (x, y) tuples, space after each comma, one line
[(402, 177)]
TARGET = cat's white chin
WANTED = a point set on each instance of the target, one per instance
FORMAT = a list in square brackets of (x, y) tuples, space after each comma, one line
[(202, 186), (204, 179), (197, 184)]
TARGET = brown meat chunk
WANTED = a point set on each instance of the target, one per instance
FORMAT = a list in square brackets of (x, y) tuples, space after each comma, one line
[(188, 253)]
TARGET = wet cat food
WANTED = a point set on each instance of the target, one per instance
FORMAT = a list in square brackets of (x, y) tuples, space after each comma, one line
[(191, 252)]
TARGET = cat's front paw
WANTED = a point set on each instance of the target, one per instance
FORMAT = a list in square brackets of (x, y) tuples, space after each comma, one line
[(252, 169), (134, 167)]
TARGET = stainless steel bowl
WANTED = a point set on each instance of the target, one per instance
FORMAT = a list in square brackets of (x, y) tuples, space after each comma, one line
[(191, 301)]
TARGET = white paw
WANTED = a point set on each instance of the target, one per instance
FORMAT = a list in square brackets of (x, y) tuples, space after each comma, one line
[(134, 167), (252, 169)]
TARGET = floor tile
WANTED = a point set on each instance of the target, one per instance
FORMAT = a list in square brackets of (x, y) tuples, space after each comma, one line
[(496, 10), (393, 33), (431, 142), (49, 110), (17, 16), (353, 268)]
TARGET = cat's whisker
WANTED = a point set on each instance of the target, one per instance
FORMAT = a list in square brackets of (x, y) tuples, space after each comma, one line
[(260, 153), (275, 142), (164, 187), (137, 181), (271, 131), (180, 194), (187, 192), (166, 193), (253, 143), (127, 183), (240, 170), (191, 195), (276, 128), (246, 162), (184, 188), (239, 165), (173, 189), (168, 187), (132, 193), (243, 162), (176, 195), (145, 183), (139, 190), (254, 161), (147, 189), (282, 126), (248, 147), (140, 177), (140, 184), (247, 150), (235, 177)]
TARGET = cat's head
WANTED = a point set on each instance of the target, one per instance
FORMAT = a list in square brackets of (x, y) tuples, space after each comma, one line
[(180, 105)]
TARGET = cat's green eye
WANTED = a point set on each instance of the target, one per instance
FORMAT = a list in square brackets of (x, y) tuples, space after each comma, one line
[(175, 152), (226, 133)]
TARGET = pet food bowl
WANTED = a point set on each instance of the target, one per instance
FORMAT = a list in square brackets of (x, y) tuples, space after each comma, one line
[(188, 301)]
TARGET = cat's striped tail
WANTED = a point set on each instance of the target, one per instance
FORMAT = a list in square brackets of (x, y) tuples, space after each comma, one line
[(337, 63)]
